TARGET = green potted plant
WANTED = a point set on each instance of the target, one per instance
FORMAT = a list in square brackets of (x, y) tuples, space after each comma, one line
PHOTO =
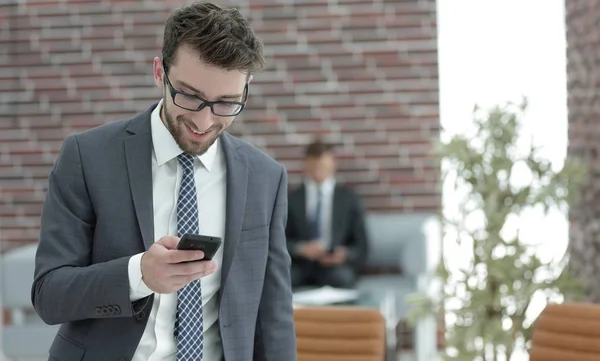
[(487, 298)]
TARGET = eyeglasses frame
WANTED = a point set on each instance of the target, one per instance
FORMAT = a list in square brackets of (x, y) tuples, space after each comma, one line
[(205, 103)]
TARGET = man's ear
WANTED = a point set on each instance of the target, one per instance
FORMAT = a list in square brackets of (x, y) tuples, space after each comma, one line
[(159, 73)]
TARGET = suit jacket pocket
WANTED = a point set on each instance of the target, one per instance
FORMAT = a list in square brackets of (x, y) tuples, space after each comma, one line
[(255, 233), (63, 349)]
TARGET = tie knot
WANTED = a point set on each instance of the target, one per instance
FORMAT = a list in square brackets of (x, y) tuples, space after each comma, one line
[(186, 161)]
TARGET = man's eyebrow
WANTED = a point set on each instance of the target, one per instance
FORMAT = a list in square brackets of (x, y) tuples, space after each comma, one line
[(201, 93)]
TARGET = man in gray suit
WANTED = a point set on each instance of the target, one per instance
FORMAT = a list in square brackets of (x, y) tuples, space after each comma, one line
[(121, 195)]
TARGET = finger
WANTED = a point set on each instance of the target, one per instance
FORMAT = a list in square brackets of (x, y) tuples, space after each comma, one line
[(177, 256), (190, 268), (168, 242), (181, 281)]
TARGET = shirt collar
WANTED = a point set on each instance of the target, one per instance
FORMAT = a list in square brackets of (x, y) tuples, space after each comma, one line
[(165, 146), (326, 187)]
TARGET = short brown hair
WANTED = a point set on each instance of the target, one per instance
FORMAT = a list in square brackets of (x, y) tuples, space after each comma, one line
[(221, 36), (317, 149)]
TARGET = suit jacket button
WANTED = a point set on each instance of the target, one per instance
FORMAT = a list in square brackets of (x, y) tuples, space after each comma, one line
[(98, 311), (140, 316), (117, 309)]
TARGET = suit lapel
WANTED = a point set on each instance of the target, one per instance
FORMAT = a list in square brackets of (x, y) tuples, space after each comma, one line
[(237, 185), (138, 153)]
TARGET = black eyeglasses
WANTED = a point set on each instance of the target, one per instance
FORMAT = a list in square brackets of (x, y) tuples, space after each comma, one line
[(195, 103)]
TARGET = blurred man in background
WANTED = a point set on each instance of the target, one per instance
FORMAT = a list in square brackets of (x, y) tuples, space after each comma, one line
[(326, 228), (120, 196)]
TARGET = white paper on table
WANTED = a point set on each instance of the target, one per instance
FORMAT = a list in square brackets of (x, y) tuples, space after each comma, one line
[(325, 295)]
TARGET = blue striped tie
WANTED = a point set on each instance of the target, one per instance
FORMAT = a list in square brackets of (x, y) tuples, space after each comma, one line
[(188, 323)]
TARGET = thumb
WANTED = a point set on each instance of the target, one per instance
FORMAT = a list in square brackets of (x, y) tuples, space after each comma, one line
[(169, 242)]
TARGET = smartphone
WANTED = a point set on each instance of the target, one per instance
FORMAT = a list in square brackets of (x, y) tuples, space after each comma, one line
[(195, 242)]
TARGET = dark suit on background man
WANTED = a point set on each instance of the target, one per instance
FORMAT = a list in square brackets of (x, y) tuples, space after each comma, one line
[(330, 217)]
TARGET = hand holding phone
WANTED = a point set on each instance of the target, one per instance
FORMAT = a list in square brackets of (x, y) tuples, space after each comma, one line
[(166, 269)]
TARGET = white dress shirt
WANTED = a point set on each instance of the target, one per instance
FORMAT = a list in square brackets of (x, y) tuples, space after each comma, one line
[(327, 188), (157, 342)]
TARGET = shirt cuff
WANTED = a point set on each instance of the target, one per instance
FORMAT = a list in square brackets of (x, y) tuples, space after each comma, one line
[(298, 247), (137, 287)]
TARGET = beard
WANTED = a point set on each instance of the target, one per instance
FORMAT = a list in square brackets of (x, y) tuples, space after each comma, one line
[(181, 135)]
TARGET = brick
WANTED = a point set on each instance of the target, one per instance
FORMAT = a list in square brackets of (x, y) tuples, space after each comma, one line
[(14, 135)]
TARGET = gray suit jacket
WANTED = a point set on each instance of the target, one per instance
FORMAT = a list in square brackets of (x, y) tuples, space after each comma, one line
[(98, 213)]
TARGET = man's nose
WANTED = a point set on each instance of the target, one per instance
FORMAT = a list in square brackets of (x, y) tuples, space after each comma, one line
[(203, 118)]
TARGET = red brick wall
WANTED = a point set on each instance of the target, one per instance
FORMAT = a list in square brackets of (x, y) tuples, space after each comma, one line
[(362, 72), (583, 73)]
